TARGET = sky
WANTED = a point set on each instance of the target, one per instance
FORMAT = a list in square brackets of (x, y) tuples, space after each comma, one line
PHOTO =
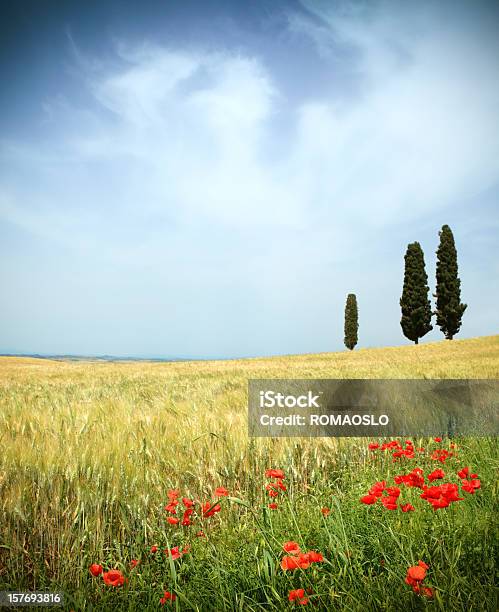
[(211, 179)]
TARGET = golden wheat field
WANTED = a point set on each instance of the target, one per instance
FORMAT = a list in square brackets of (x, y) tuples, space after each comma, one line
[(89, 450)]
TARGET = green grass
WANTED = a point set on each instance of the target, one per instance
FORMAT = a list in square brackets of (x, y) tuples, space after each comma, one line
[(89, 451)]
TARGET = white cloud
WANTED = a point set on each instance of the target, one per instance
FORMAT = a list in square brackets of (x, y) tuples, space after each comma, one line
[(189, 132), (423, 134)]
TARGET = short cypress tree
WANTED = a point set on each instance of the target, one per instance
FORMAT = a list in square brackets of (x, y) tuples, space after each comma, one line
[(351, 321), (449, 309), (416, 307)]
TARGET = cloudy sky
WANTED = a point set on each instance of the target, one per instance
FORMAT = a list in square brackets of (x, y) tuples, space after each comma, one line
[(182, 178)]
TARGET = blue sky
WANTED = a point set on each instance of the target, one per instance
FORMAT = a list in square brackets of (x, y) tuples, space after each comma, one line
[(212, 178)]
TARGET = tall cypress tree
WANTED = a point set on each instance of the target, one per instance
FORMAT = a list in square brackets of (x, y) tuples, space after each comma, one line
[(351, 321), (449, 309), (416, 307)]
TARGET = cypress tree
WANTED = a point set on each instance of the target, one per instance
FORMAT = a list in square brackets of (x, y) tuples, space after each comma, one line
[(416, 307), (351, 321), (449, 309)]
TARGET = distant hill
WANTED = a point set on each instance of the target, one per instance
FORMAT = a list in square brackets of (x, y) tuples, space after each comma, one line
[(468, 358), (94, 357)]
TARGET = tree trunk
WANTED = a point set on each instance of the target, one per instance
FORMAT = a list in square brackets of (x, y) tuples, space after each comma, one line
[(416, 341)]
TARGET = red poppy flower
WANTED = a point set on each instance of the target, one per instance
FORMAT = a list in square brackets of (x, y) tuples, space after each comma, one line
[(431, 493), (464, 472), (271, 473), (303, 560), (413, 479), (186, 520), (438, 439), (273, 506), (315, 557), (167, 596), (390, 445), (209, 509), (325, 511), (175, 552), (436, 475), (373, 446), (291, 547), (442, 502), (470, 485), (441, 496), (368, 500), (154, 549), (134, 563), (221, 492), (172, 507), (427, 592), (295, 562), (377, 488), (450, 491), (392, 491), (188, 503), (441, 455), (280, 485), (298, 596), (390, 503), (172, 520), (416, 573), (273, 493), (95, 569), (290, 563), (407, 508), (113, 578), (173, 494)]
